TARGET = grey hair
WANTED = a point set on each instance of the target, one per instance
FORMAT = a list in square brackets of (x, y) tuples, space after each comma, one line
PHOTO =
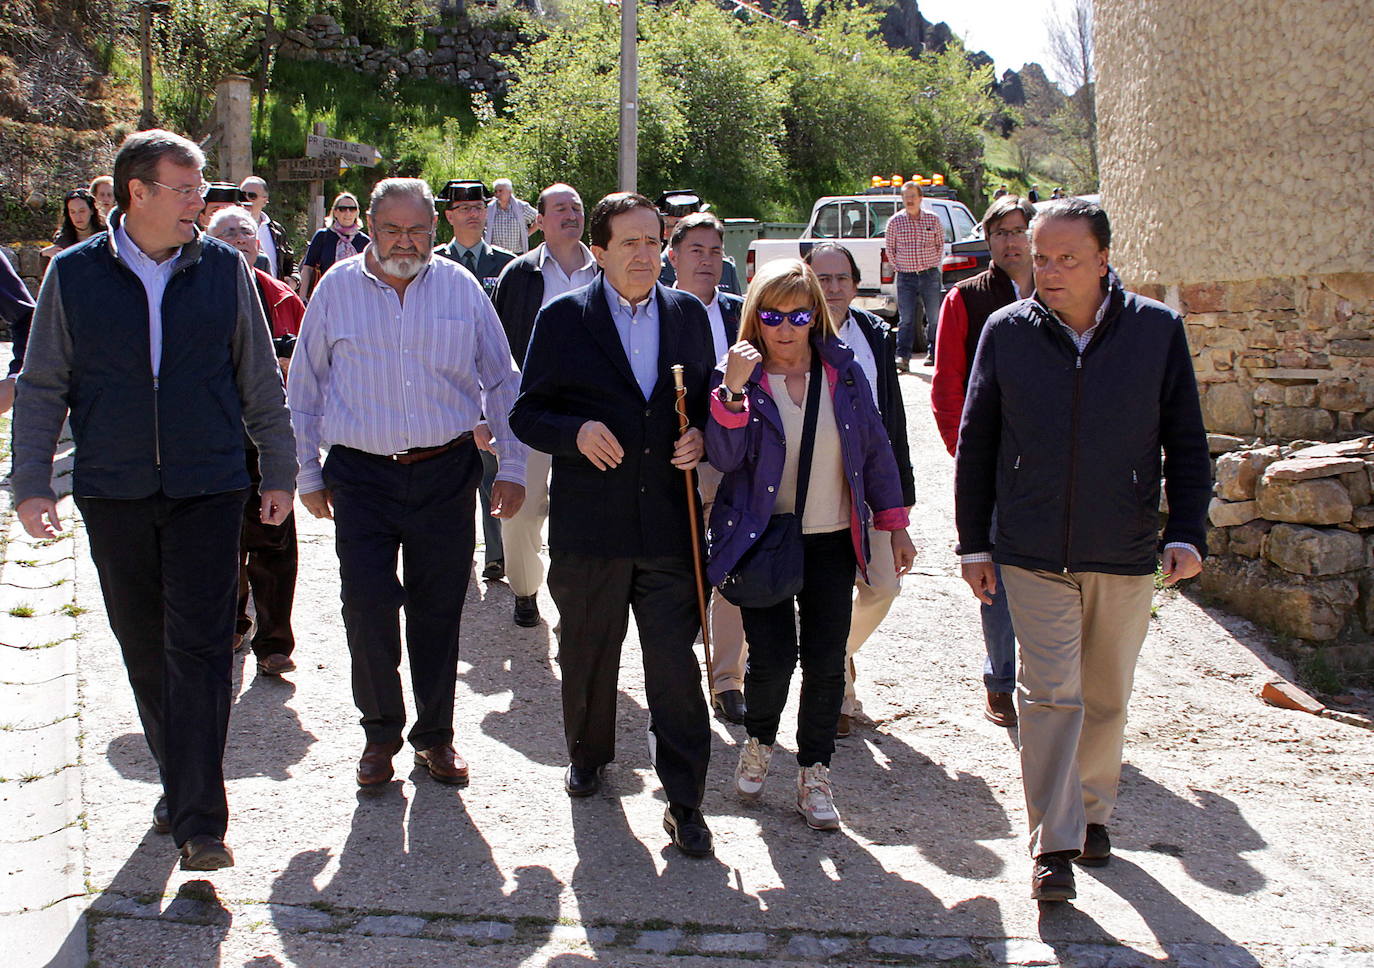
[(253, 180), (1079, 209), (225, 214), (139, 154), (388, 188), (502, 183)]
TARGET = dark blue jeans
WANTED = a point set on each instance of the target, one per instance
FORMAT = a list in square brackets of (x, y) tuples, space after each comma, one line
[(491, 527), (999, 639), (918, 293), (422, 513), (169, 573), (824, 604)]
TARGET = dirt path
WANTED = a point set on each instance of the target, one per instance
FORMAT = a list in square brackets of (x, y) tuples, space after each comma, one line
[(1242, 830)]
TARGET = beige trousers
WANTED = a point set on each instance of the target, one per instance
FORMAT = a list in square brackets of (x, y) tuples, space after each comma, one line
[(523, 535), (872, 600), (1079, 635), (728, 652)]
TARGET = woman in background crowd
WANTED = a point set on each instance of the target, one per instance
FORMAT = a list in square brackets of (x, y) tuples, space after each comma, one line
[(80, 220), (341, 237)]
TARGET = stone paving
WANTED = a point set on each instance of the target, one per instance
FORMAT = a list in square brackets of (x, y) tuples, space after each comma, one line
[(1239, 835)]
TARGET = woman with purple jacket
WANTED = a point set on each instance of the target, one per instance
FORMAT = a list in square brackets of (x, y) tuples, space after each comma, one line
[(754, 438)]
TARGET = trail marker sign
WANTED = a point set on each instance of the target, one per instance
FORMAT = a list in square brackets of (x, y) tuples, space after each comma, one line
[(317, 146)]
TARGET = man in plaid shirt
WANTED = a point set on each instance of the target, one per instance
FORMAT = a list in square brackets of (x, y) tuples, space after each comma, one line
[(915, 242), (510, 221)]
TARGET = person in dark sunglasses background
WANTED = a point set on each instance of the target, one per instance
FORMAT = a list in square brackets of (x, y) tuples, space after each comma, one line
[(342, 237), (755, 438)]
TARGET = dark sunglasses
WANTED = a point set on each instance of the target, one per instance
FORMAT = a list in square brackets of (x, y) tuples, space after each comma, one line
[(798, 318), (345, 208), (251, 196)]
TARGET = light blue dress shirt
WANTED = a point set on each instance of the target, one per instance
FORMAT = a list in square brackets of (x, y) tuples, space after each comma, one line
[(638, 329)]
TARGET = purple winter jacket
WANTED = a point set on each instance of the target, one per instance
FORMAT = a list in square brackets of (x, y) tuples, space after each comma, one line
[(748, 448)]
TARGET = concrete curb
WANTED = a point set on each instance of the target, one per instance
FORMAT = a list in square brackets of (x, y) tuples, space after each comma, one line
[(43, 895)]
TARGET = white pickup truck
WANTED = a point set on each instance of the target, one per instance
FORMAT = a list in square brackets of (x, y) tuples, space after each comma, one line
[(858, 223)]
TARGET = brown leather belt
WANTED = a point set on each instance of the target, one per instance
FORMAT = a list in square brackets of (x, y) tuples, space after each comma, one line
[(417, 454)]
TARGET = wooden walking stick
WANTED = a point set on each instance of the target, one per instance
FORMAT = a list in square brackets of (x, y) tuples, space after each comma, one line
[(694, 516)]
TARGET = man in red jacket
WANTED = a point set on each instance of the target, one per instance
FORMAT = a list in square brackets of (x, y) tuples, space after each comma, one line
[(966, 308), (267, 553)]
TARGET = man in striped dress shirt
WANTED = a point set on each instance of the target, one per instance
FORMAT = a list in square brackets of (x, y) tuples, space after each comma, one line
[(399, 356)]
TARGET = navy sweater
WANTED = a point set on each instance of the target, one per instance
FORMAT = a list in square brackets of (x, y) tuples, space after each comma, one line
[(1068, 447)]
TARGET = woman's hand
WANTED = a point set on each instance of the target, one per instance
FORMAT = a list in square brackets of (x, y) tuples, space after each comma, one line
[(740, 364), (903, 551)]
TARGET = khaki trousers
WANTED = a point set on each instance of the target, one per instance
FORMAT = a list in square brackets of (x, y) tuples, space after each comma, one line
[(1079, 634), (872, 600), (523, 535), (728, 652)]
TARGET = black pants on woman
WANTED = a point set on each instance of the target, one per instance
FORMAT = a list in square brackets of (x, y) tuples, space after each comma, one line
[(824, 605)]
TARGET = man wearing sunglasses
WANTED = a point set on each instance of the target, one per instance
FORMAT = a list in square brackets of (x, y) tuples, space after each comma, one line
[(271, 236), (152, 338)]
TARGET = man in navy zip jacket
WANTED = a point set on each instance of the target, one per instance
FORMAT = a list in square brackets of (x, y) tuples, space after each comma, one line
[(152, 337), (1072, 396)]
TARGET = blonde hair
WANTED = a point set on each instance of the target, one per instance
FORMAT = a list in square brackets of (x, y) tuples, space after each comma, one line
[(780, 282), (340, 197)]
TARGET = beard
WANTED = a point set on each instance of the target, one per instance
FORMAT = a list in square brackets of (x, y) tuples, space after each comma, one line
[(405, 266)]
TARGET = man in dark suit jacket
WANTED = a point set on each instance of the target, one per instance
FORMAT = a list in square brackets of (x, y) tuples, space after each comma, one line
[(696, 251), (875, 348), (597, 393)]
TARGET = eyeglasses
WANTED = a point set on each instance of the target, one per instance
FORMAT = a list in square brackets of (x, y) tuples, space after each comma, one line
[(201, 190), (345, 208), (243, 232), (1009, 233), (469, 208), (251, 196), (391, 234), (798, 317)]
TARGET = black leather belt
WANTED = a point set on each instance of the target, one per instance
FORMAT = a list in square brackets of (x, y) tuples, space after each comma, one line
[(417, 454)]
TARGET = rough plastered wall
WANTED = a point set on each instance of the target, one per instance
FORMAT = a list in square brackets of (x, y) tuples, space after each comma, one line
[(1237, 150), (1237, 139)]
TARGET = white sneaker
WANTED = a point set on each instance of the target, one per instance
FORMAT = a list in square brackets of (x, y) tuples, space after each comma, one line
[(814, 799), (752, 769)]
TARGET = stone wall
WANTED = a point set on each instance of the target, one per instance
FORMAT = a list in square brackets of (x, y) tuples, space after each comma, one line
[(1282, 358), (27, 261), (463, 55), (1292, 538)]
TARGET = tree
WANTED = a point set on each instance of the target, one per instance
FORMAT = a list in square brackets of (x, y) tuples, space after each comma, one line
[(1071, 52)]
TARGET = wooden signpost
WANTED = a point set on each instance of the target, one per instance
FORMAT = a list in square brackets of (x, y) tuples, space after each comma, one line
[(353, 152), (309, 169)]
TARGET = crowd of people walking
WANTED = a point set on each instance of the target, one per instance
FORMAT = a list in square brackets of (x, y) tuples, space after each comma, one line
[(397, 381)]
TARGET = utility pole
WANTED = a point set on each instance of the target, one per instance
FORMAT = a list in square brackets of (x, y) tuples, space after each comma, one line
[(629, 95)]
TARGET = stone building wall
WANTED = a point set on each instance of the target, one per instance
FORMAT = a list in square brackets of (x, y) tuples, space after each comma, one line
[(1236, 145), (463, 55)]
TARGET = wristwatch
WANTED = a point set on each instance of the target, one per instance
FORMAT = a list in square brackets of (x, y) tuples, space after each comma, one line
[(729, 396)]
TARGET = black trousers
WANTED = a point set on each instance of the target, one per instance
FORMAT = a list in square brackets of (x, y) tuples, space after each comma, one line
[(267, 569), (423, 513), (169, 574), (594, 598), (823, 605)]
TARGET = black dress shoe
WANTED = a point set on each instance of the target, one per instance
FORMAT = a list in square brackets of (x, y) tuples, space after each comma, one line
[(687, 827), (162, 817), (495, 570), (1097, 846), (205, 852), (1052, 877), (582, 781), (526, 611), (730, 705)]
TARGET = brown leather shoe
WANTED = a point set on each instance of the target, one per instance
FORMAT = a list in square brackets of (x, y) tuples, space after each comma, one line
[(374, 766), (444, 763), (843, 726), (1000, 710), (276, 664)]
